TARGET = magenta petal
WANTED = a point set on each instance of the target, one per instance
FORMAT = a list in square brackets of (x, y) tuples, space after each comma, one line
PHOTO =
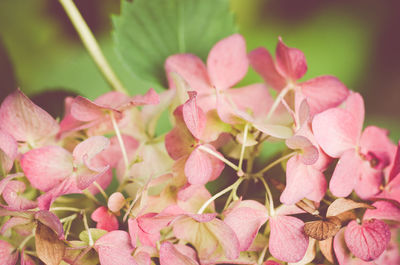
[(336, 131), (369, 240), (302, 181), (385, 210), (199, 167), (287, 240), (262, 62), (290, 62), (24, 120), (227, 62), (7, 254), (145, 238), (194, 116), (345, 175), (46, 167), (245, 220), (191, 68), (169, 255), (115, 248), (50, 220), (105, 219), (8, 151), (324, 92), (12, 195)]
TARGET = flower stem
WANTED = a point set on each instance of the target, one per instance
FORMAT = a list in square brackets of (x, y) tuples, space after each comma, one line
[(26, 240), (97, 185), (268, 197), (271, 165), (278, 100), (71, 209), (91, 45), (121, 142), (85, 223), (246, 130), (220, 157), (219, 194)]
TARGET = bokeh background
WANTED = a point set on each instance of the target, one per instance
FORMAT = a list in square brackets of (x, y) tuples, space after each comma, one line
[(358, 41)]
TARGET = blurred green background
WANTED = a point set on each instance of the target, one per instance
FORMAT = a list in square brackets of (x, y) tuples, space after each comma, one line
[(358, 41)]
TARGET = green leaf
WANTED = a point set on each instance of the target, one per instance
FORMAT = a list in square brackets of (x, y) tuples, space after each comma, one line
[(148, 31), (96, 234)]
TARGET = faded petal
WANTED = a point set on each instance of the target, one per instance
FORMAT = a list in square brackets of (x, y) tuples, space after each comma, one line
[(7, 254), (89, 148), (169, 255), (194, 117), (8, 151), (227, 62), (67, 186), (287, 239), (12, 195), (369, 240)]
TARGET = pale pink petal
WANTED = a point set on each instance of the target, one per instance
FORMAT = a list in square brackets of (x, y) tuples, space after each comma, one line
[(245, 220), (385, 210), (192, 197), (290, 62), (369, 181), (342, 253), (287, 240), (344, 177), (354, 104), (112, 100), (302, 181), (137, 233), (150, 98), (227, 62), (375, 143), (309, 154), (336, 131), (152, 223), (199, 167), (116, 201), (191, 68), (263, 63), (226, 108), (83, 109), (24, 120), (7, 179), (105, 219), (103, 180), (369, 240), (194, 117), (324, 92), (277, 131), (46, 167), (115, 248), (8, 255), (169, 255), (14, 221), (86, 175), (395, 170), (67, 186), (391, 191), (226, 237), (391, 256), (12, 195), (142, 258), (8, 151), (52, 221), (90, 148)]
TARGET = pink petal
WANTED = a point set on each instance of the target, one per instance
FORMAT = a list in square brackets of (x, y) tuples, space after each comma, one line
[(24, 120), (7, 179), (14, 221), (26, 259), (67, 186), (324, 92), (194, 116), (369, 240), (355, 105), (336, 131), (271, 262), (245, 220), (290, 62), (227, 62), (52, 221), (112, 100), (201, 167), (344, 177), (8, 151), (150, 98), (395, 170), (226, 236), (376, 143), (385, 210), (115, 248), (226, 108), (83, 109), (169, 255), (105, 219), (262, 62), (287, 240), (90, 148), (191, 68), (145, 238), (7, 254), (342, 253), (12, 195), (116, 201), (369, 181), (309, 153), (46, 167), (302, 181)]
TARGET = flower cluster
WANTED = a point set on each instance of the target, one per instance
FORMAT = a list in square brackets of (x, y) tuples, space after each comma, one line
[(102, 186)]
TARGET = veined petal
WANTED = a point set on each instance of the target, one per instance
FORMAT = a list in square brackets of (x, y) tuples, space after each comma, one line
[(8, 151), (336, 131), (290, 62), (200, 166), (115, 248), (67, 186), (263, 63), (50, 220), (191, 68), (227, 62), (150, 98), (89, 149), (355, 105), (24, 120), (11, 195), (287, 239), (309, 154), (194, 116), (385, 210), (7, 254), (83, 109), (344, 177), (369, 240), (324, 92), (169, 255), (46, 167), (105, 219)]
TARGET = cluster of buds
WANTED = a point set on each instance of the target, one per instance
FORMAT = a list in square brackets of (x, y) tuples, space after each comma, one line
[(103, 186)]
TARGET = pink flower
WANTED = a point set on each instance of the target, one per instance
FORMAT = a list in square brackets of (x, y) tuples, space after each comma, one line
[(105, 219), (361, 156)]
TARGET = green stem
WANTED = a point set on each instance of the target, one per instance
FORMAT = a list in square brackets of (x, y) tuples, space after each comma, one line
[(23, 243), (85, 223), (121, 143), (269, 166), (70, 209), (97, 185), (91, 45), (278, 100), (219, 194), (268, 197), (220, 157), (246, 130)]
